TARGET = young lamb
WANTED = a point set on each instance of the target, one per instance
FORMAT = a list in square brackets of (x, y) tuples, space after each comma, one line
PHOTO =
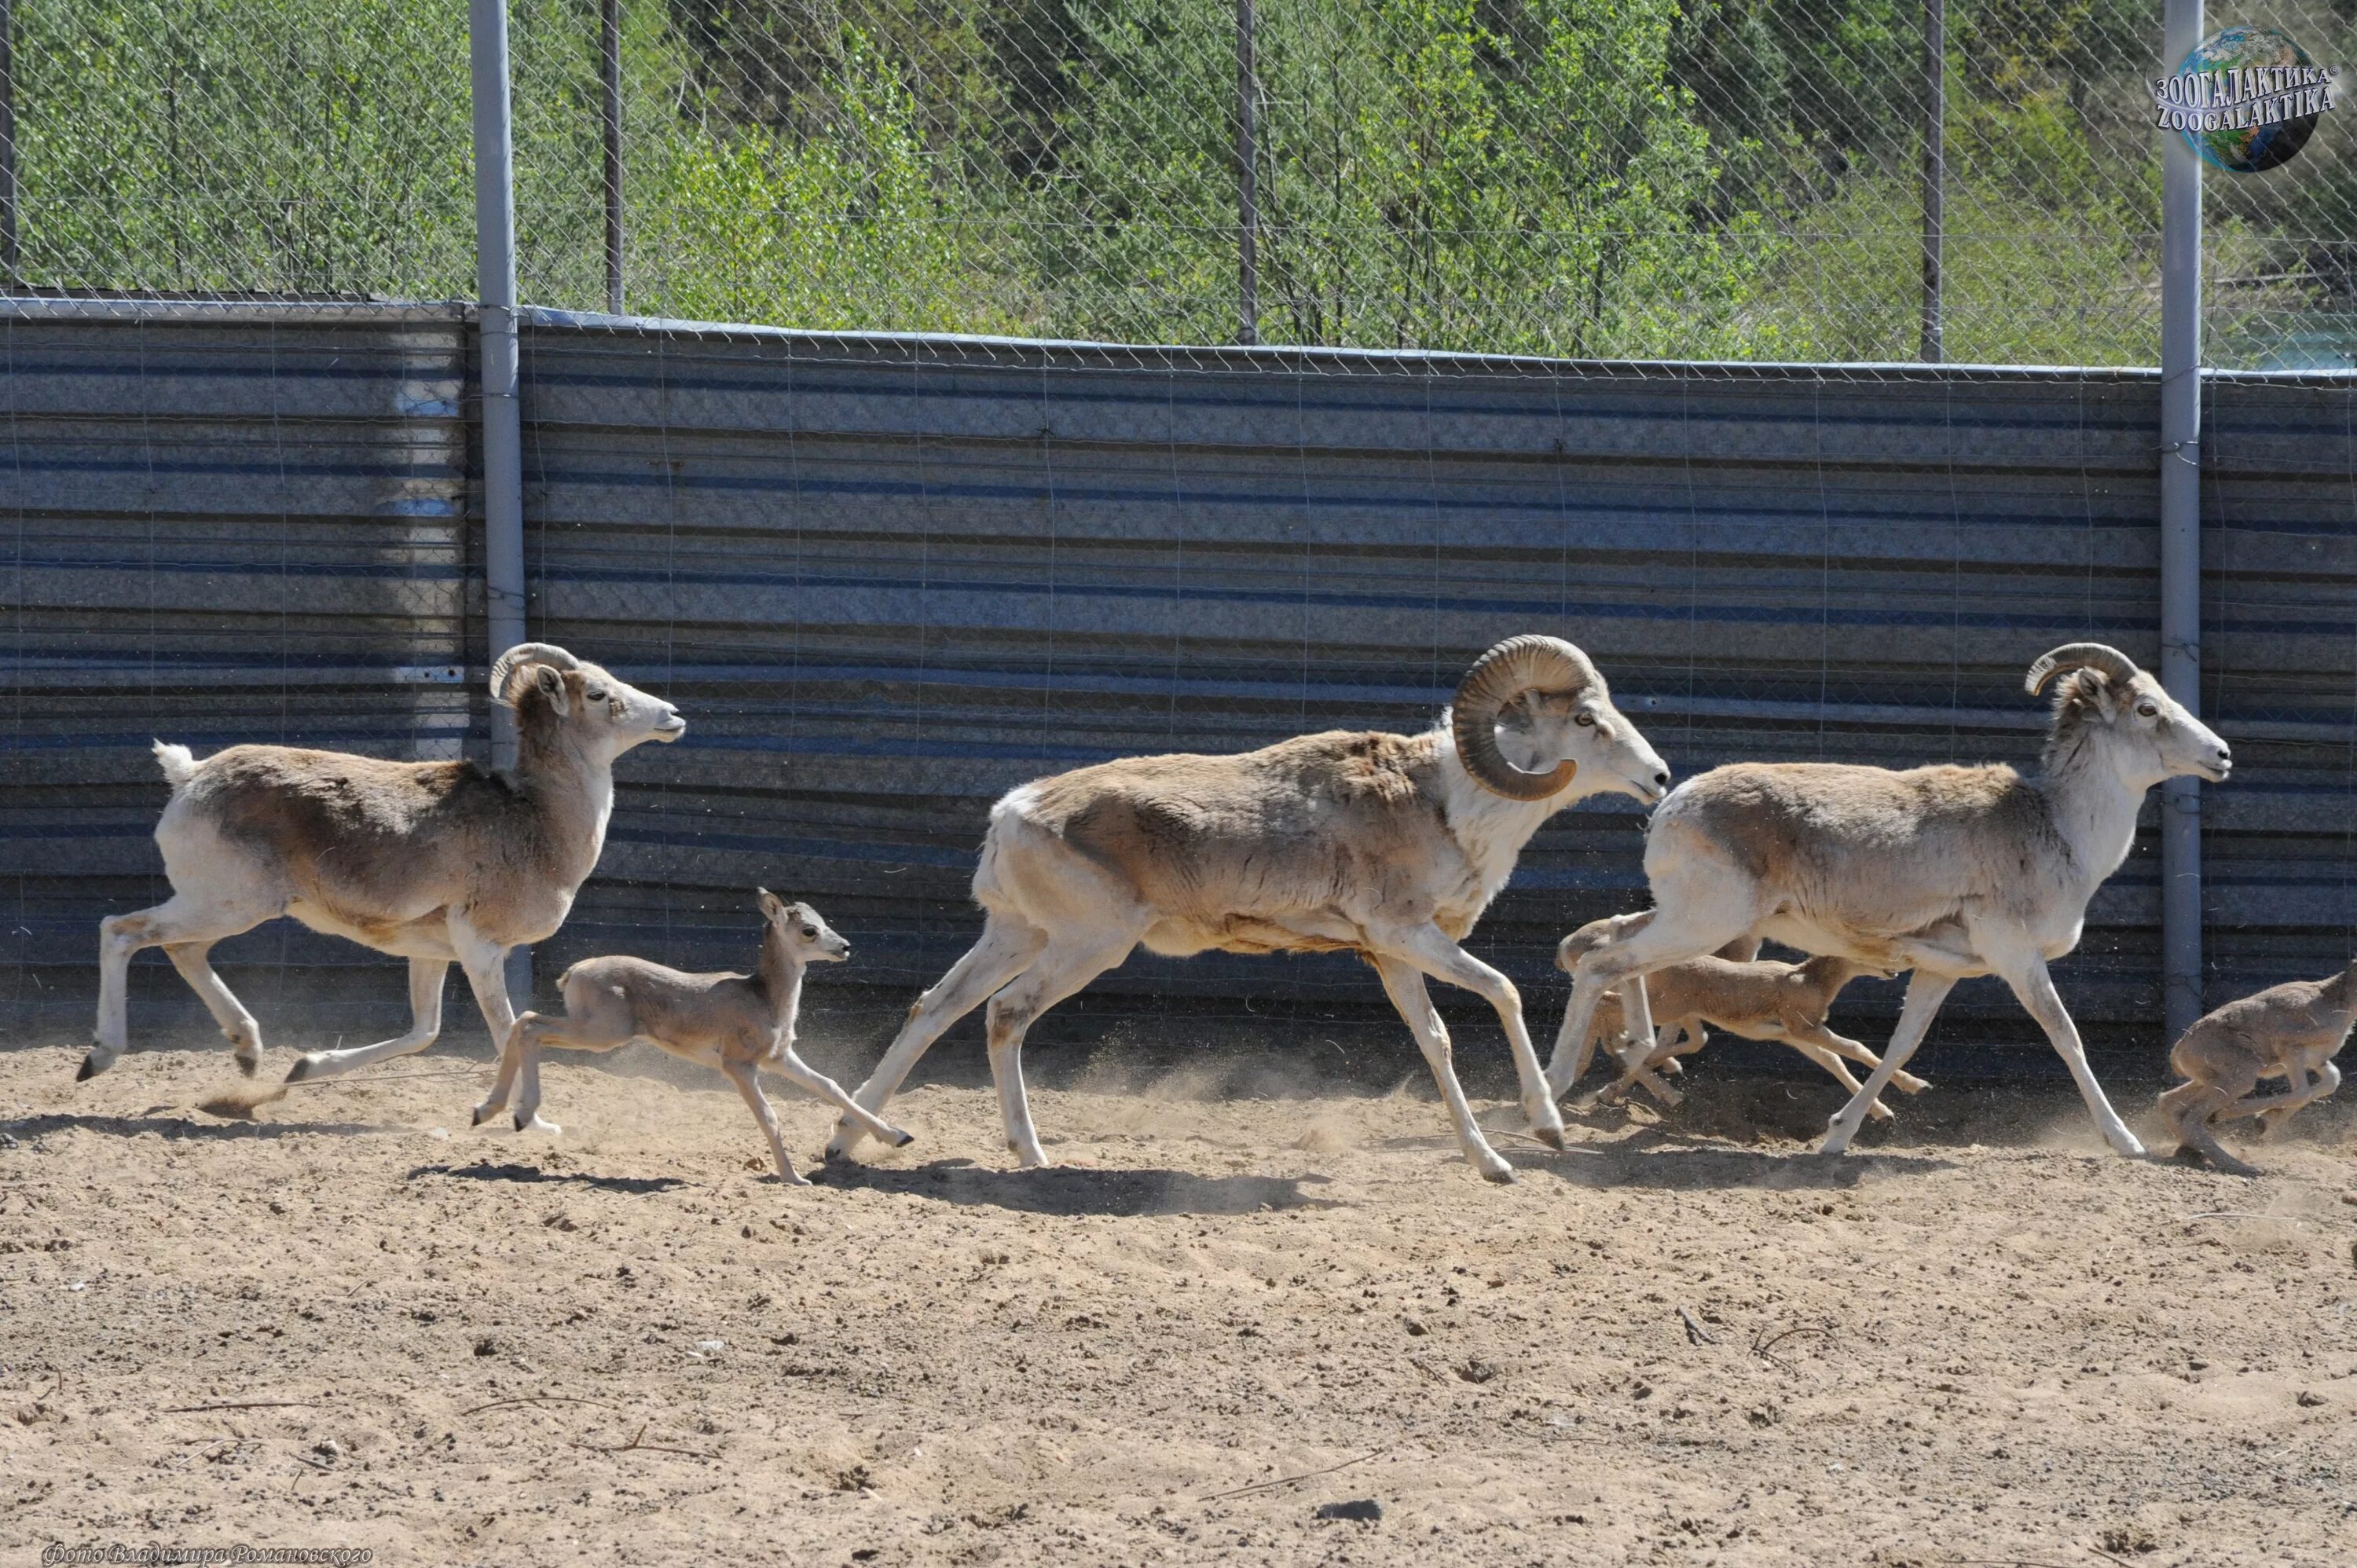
[(1762, 1000), (1757, 999), (2291, 1031), (735, 1023), (1612, 1021)]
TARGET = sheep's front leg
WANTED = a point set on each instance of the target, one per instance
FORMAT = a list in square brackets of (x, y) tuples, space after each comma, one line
[(2026, 973), (1428, 949), (485, 962), (741, 1074), (1405, 988)]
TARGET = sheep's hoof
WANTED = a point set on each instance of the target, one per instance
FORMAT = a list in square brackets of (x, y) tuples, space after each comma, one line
[(304, 1066), (91, 1067), (1501, 1173), (482, 1114), (534, 1124), (904, 1140), (1551, 1136)]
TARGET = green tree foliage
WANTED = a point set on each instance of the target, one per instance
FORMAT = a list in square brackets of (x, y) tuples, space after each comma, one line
[(1532, 182), (1617, 178)]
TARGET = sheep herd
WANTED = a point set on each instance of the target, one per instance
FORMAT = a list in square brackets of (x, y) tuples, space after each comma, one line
[(1387, 845)]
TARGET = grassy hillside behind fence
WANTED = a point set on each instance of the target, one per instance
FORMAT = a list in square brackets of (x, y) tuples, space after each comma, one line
[(1624, 178)]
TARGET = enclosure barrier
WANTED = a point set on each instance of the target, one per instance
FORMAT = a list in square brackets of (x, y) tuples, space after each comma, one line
[(888, 577)]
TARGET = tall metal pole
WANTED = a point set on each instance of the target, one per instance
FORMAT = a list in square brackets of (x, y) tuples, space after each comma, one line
[(609, 47), (496, 354), (10, 267), (1247, 206), (2181, 534), (1932, 349)]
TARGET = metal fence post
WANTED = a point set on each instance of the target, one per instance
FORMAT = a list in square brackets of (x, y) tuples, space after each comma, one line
[(610, 48), (497, 355), (10, 267), (2181, 534), (1932, 349), (1247, 206)]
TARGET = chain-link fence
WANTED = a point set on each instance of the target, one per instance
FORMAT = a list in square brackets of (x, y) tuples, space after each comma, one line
[(1865, 180)]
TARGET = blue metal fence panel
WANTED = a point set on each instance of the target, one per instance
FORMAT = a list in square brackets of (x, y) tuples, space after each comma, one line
[(226, 524)]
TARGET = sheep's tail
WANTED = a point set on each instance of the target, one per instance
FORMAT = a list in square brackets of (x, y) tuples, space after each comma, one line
[(179, 763)]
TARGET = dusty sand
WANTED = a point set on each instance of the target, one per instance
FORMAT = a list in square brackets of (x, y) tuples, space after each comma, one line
[(1983, 1340)]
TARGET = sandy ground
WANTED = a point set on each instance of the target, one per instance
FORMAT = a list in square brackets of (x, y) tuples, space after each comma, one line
[(1686, 1340)]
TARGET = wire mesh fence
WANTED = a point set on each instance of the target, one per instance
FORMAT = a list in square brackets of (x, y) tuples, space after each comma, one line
[(1873, 180)]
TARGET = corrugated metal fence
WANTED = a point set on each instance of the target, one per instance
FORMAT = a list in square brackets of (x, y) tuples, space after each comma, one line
[(887, 578), (230, 523)]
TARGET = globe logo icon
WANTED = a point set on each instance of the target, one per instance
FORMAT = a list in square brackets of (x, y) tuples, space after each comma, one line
[(2245, 98)]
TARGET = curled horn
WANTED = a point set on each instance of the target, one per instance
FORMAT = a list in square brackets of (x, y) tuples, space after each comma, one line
[(2104, 660), (522, 654), (1517, 665)]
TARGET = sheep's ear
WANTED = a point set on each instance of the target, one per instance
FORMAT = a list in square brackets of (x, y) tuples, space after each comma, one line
[(551, 682), (772, 904)]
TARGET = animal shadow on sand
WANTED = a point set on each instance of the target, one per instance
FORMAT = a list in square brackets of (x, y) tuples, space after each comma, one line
[(178, 1126), (483, 1170), (1065, 1190), (1667, 1161)]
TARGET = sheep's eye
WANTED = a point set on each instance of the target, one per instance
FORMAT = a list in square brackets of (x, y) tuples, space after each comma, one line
[(1587, 719), (810, 933), (2147, 711), (595, 694)]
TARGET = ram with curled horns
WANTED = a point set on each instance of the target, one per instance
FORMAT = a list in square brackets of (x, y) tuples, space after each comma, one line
[(1951, 872), (1387, 845)]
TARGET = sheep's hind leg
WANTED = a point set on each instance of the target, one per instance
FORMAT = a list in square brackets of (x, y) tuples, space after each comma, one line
[(602, 1029), (1665, 941), (1404, 985), (192, 959), (178, 921), (426, 979), (2188, 1110), (1635, 1072), (1831, 1061), (1013, 1011), (1843, 1046), (795, 1071), (748, 1084), (1007, 948), (1925, 992)]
